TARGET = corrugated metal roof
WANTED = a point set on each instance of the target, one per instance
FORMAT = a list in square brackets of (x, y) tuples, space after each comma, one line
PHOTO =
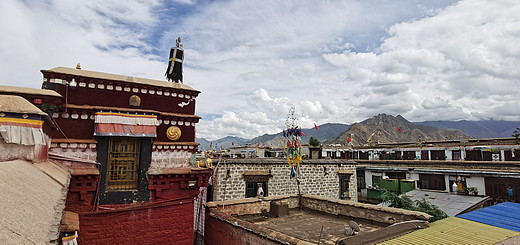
[(455, 230), (450, 203), (504, 215)]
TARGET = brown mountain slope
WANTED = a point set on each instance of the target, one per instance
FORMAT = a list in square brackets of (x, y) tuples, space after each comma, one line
[(389, 129)]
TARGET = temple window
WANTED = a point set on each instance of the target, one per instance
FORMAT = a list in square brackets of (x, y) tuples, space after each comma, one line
[(123, 164)]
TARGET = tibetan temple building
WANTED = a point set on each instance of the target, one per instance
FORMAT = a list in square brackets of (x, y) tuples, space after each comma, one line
[(128, 142)]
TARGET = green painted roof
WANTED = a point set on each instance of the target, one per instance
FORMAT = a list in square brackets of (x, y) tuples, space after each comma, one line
[(455, 230)]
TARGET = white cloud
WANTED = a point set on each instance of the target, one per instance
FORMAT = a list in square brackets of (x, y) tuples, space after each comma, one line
[(333, 61), (243, 124), (103, 35), (457, 54)]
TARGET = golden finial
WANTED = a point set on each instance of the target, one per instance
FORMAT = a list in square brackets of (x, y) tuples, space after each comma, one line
[(178, 42), (78, 66)]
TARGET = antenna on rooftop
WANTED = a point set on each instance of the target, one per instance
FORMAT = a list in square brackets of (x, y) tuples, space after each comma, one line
[(354, 227)]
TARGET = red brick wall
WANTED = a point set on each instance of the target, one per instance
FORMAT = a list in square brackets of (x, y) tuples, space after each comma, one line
[(165, 223)]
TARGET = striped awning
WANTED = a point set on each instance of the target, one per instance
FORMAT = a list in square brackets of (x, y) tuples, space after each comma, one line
[(125, 124)]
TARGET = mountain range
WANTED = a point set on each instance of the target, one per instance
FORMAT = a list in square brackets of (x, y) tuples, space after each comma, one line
[(382, 128), (389, 129)]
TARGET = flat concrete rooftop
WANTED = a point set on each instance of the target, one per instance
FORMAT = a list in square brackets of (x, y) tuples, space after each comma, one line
[(253, 221), (307, 225)]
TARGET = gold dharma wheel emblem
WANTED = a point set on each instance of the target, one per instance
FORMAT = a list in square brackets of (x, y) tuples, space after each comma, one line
[(173, 133)]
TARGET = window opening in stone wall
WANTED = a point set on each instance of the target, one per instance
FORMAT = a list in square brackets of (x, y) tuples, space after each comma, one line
[(460, 183), (488, 156), (360, 175), (438, 155), (123, 162), (432, 182), (409, 155), (455, 155), (473, 155), (344, 187), (502, 189), (376, 181), (424, 155), (252, 187)]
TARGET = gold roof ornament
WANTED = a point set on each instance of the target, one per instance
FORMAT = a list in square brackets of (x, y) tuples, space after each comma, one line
[(78, 66)]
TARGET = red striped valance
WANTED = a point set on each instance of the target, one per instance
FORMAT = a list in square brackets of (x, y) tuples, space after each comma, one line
[(125, 124)]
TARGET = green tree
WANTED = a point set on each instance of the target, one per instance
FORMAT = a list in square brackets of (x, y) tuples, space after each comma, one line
[(314, 142), (405, 202), (516, 134)]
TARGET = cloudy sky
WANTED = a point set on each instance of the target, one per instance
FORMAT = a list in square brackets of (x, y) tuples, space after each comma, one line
[(334, 61)]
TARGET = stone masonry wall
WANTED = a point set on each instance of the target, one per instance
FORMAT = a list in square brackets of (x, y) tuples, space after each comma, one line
[(83, 153), (15, 151), (170, 159), (314, 180), (224, 225)]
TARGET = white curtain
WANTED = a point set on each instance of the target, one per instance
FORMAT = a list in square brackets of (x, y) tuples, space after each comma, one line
[(22, 135)]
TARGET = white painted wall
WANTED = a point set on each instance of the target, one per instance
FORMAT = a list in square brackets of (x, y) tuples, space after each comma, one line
[(448, 155), (418, 154), (414, 176), (368, 178), (447, 182), (477, 181)]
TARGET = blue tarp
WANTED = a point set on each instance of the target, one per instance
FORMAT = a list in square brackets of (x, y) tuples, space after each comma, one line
[(504, 215)]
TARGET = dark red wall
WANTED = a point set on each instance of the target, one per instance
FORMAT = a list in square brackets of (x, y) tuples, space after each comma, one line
[(82, 192), (218, 232), (81, 96), (84, 129), (103, 97), (187, 133), (166, 219), (73, 128), (171, 224)]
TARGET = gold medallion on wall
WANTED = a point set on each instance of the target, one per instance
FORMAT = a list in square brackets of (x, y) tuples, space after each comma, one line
[(134, 100), (173, 133)]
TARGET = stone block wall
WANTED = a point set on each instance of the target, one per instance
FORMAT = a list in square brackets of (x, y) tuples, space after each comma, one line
[(379, 214), (318, 177), (249, 206)]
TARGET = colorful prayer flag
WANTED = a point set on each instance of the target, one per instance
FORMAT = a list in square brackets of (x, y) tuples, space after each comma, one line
[(348, 139), (303, 134), (316, 126), (399, 129)]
